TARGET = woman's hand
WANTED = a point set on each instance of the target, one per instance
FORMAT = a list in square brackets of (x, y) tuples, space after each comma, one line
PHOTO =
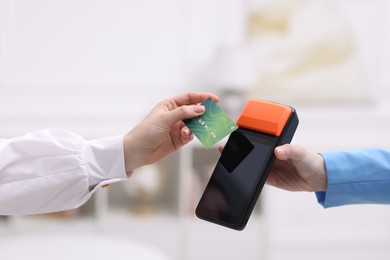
[(163, 130)]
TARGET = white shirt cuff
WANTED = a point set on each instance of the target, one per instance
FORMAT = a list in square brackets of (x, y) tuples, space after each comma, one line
[(105, 161)]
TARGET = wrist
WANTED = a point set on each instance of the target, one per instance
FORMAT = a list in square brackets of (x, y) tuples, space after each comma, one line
[(322, 179), (133, 155)]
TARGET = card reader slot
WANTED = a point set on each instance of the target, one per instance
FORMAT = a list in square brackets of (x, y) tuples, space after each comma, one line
[(264, 116)]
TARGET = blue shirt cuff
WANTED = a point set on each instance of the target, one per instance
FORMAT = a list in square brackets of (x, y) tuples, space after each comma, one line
[(356, 177)]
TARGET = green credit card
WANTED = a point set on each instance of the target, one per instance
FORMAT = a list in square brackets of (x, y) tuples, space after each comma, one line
[(212, 126)]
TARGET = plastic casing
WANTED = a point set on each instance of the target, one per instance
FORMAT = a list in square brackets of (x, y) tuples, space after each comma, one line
[(266, 119)]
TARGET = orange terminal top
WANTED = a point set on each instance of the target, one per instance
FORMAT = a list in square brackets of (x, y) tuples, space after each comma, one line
[(264, 116)]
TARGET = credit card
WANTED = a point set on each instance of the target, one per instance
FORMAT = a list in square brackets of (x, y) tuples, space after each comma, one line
[(212, 126)]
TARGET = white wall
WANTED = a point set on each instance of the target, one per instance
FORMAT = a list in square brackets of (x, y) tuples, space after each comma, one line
[(105, 63), (369, 22), (136, 52)]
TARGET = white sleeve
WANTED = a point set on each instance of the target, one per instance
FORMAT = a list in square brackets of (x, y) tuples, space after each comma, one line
[(55, 170)]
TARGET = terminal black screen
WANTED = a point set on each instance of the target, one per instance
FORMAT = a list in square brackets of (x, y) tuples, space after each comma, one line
[(238, 175)]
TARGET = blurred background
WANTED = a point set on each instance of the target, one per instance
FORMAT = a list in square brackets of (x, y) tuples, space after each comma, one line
[(97, 67)]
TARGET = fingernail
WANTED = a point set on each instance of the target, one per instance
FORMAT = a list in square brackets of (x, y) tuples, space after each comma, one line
[(280, 151), (199, 109)]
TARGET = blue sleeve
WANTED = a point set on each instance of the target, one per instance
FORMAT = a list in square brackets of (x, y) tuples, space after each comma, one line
[(356, 177)]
